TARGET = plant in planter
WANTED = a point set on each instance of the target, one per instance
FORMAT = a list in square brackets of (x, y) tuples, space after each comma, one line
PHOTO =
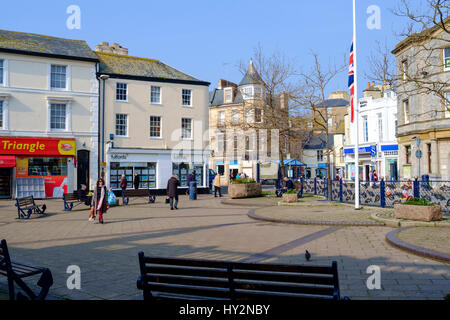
[(418, 209), (244, 188), (290, 196)]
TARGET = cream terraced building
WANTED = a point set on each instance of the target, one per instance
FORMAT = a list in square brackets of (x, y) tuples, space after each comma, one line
[(48, 95), (154, 121)]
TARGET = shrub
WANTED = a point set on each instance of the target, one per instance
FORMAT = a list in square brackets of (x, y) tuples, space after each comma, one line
[(244, 181), (419, 202), (291, 191)]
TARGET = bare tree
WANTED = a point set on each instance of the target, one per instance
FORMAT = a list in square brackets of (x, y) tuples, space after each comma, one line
[(419, 71), (272, 107), (312, 95)]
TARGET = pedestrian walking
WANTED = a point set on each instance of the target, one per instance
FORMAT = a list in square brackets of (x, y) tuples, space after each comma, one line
[(137, 181), (99, 200), (217, 186), (172, 191), (123, 185)]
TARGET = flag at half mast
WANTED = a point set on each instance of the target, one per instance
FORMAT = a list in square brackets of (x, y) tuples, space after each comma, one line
[(351, 84)]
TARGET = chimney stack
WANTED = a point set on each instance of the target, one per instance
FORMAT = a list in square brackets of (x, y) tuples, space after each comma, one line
[(114, 48)]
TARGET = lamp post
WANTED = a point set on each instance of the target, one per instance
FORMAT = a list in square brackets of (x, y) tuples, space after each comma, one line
[(418, 153)]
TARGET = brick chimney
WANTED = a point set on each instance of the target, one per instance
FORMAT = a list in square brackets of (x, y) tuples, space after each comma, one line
[(114, 48)]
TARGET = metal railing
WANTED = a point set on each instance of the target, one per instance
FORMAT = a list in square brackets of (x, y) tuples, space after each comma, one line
[(382, 193)]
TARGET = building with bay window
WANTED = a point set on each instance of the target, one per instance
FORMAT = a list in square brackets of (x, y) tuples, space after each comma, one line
[(48, 115), (378, 148), (423, 73), (154, 120)]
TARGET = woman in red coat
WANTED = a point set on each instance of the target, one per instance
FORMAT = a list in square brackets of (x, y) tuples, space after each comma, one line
[(100, 199)]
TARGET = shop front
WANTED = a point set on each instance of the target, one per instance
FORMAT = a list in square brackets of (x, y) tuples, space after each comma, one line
[(39, 167), (154, 167)]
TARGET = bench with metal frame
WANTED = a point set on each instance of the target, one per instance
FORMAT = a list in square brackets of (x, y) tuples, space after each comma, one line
[(189, 279), (140, 193), (71, 201), (16, 271), (26, 206)]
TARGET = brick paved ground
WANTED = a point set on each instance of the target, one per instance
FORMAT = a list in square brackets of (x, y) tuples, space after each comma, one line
[(437, 239), (312, 209), (207, 229)]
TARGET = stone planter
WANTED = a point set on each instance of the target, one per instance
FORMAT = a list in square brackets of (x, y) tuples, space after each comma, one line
[(290, 198), (418, 213), (247, 190)]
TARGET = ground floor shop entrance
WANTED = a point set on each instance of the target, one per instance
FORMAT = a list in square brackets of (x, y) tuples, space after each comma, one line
[(5, 183)]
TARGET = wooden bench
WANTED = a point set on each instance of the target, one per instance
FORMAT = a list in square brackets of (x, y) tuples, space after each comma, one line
[(16, 271), (140, 193), (27, 204), (71, 200), (187, 279)]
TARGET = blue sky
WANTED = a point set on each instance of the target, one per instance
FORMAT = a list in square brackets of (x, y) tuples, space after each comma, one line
[(207, 39)]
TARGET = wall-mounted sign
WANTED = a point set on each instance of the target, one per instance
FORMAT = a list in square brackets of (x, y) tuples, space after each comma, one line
[(119, 156), (37, 146)]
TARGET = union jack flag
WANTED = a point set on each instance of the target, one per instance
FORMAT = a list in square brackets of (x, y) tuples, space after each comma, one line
[(351, 83)]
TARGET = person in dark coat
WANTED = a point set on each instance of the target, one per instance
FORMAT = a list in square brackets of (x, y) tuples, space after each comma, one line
[(172, 191), (137, 181), (83, 195), (288, 184), (100, 199)]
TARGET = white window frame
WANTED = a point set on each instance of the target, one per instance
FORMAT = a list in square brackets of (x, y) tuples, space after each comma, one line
[(262, 117), (220, 119), (404, 70), (160, 95), (5, 82), (182, 131), (447, 106), (190, 98), (365, 128), (126, 128), (4, 99), (126, 91), (68, 77), (68, 103), (380, 127), (235, 116), (247, 92), (406, 115), (228, 92), (443, 54), (160, 128)]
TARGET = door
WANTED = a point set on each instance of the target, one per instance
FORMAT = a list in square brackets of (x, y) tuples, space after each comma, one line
[(5, 183), (83, 168)]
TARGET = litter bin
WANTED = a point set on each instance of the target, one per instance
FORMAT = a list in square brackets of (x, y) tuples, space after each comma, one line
[(193, 190)]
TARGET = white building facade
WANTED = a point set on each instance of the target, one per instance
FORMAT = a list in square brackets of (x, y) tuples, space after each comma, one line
[(378, 148), (48, 115)]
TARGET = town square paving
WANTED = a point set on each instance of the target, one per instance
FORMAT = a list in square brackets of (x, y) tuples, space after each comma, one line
[(207, 229)]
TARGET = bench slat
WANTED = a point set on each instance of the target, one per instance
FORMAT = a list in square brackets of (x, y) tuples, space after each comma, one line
[(189, 290), (284, 288), (284, 277), (240, 293), (199, 272), (188, 280)]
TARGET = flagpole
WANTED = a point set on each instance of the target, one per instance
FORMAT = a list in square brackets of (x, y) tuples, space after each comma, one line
[(356, 109)]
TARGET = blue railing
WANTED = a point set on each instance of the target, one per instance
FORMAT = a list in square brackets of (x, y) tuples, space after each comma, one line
[(382, 193)]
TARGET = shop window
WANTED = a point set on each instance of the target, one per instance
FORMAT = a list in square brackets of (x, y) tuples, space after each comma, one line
[(47, 167), (183, 170), (146, 172)]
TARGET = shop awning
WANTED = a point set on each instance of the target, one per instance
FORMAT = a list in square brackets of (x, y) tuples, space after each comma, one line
[(7, 161), (294, 162)]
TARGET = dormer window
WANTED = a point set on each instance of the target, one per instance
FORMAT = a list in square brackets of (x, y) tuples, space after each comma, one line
[(228, 95)]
